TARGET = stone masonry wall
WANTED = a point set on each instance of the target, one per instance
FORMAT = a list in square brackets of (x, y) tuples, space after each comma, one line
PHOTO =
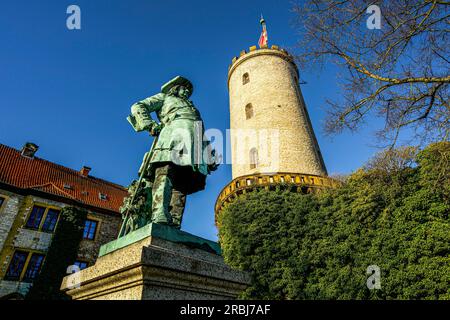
[(8, 213)]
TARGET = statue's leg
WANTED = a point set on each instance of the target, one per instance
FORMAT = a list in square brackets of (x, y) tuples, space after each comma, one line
[(161, 195), (177, 204)]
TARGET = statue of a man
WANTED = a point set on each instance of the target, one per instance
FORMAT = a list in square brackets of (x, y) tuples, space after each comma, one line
[(180, 159)]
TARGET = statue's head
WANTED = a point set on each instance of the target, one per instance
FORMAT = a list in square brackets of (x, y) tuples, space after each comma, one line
[(179, 87), (180, 91)]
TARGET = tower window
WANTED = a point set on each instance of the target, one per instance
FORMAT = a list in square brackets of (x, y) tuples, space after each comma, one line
[(248, 111), (253, 158), (245, 78)]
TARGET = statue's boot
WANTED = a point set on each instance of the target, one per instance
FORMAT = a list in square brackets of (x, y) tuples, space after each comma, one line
[(176, 208), (161, 196)]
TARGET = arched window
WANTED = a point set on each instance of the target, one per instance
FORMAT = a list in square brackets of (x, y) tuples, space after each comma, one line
[(253, 158), (245, 78), (248, 111)]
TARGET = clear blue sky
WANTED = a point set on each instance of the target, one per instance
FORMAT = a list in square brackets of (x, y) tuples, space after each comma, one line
[(70, 91)]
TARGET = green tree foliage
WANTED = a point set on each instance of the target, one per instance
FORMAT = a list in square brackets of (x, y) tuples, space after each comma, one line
[(61, 254), (318, 246)]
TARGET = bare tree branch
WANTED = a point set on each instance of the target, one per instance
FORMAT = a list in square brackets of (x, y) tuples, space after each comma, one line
[(400, 73)]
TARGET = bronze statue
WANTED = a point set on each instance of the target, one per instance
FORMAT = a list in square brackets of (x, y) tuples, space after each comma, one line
[(178, 162)]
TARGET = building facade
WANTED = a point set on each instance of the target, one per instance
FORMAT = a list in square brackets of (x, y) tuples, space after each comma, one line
[(33, 192), (272, 138)]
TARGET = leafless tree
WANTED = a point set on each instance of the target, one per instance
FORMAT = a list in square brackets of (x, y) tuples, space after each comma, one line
[(393, 160), (399, 72)]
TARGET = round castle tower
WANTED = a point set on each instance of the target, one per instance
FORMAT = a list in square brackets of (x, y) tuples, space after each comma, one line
[(265, 95), (272, 139)]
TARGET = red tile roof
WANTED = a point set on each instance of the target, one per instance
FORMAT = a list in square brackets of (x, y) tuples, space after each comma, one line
[(48, 177)]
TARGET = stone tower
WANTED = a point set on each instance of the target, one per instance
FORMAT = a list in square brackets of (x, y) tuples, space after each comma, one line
[(265, 95), (272, 139)]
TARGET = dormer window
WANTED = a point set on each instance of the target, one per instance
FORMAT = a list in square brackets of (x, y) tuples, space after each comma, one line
[(102, 196), (245, 78), (67, 186)]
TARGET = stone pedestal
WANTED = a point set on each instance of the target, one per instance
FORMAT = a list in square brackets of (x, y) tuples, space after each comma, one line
[(157, 262)]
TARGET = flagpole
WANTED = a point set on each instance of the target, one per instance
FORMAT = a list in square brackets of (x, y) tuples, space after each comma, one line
[(263, 40), (262, 21)]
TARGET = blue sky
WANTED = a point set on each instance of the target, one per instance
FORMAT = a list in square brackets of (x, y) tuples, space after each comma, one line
[(70, 91)]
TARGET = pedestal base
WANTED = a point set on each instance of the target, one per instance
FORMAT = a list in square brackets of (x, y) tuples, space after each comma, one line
[(156, 268)]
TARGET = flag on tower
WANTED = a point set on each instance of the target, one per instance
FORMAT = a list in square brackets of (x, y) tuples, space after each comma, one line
[(263, 39)]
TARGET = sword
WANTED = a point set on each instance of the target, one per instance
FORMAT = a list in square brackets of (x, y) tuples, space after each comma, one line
[(141, 178)]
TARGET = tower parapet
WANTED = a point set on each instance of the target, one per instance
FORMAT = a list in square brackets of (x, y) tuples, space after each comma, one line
[(254, 51)]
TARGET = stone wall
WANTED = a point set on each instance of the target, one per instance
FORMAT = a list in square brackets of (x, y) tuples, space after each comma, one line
[(9, 287), (8, 213)]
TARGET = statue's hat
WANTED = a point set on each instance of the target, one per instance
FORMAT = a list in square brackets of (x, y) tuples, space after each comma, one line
[(177, 81)]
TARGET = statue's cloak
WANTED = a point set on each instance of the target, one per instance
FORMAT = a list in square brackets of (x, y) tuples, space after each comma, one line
[(181, 139)]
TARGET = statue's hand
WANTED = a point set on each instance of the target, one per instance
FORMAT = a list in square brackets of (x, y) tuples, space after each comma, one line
[(213, 167), (155, 129), (217, 159)]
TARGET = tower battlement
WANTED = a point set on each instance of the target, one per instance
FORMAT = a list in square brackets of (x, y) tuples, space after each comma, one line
[(254, 51)]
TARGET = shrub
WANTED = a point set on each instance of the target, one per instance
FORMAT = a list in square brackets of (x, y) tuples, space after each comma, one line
[(318, 246)]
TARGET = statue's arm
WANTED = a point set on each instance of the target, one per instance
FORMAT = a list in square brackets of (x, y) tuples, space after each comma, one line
[(141, 111)]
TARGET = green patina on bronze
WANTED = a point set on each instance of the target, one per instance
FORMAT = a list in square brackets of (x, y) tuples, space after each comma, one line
[(162, 232), (178, 162)]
